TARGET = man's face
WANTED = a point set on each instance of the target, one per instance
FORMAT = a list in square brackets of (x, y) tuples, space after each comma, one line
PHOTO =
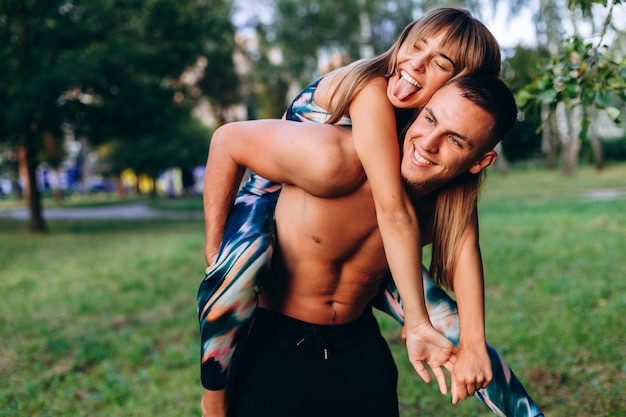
[(449, 136)]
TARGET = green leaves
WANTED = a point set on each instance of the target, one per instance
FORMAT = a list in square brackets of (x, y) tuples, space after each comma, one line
[(581, 75), (585, 5), (613, 113), (111, 69)]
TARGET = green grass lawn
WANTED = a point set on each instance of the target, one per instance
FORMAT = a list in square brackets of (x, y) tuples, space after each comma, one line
[(99, 318)]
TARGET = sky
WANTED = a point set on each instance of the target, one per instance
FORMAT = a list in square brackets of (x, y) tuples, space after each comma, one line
[(521, 29), (510, 31)]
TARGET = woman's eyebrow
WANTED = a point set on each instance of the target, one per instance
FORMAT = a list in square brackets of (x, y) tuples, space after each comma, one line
[(441, 54)]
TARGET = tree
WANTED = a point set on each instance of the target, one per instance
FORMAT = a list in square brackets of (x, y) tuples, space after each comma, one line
[(523, 142), (25, 49), (302, 40), (109, 69), (291, 46), (182, 144), (584, 76)]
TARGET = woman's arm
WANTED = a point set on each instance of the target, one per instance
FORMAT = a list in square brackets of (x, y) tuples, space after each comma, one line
[(472, 368), (376, 143)]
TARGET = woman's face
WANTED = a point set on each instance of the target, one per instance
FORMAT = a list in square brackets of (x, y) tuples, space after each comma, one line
[(422, 68)]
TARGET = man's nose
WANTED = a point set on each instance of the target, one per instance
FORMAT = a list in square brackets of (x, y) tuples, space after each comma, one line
[(430, 142)]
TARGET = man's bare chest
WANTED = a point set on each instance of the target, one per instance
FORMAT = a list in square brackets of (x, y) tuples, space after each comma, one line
[(334, 230)]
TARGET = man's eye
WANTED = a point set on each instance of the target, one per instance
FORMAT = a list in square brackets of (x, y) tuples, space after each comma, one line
[(455, 141), (429, 120)]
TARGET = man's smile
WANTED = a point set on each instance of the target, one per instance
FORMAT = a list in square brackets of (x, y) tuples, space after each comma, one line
[(419, 158)]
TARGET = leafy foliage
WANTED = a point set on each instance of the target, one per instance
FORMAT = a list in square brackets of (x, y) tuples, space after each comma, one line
[(111, 71), (523, 143), (110, 67), (582, 74)]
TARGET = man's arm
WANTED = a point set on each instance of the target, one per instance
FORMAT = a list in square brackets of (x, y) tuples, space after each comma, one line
[(222, 177), (320, 159), (472, 368)]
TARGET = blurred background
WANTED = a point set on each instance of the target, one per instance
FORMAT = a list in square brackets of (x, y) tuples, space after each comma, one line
[(106, 113), (121, 97)]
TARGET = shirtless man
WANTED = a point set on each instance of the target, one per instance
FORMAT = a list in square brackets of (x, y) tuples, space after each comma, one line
[(315, 348)]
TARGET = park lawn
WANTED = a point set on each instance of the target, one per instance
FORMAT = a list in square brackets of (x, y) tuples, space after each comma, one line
[(99, 318), (555, 274)]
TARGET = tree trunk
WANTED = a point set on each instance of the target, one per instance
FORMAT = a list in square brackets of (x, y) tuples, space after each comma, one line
[(501, 162), (549, 138), (365, 37), (548, 26), (567, 120), (594, 139), (54, 154), (28, 168), (55, 184), (120, 189)]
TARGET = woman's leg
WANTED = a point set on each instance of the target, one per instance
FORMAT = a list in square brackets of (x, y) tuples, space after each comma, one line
[(227, 297), (505, 395)]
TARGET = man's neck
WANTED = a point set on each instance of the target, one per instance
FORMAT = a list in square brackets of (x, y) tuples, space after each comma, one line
[(423, 204)]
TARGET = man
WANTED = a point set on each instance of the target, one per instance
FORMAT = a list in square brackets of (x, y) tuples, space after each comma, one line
[(315, 349)]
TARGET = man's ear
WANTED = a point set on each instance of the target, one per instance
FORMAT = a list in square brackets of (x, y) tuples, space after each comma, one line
[(487, 159)]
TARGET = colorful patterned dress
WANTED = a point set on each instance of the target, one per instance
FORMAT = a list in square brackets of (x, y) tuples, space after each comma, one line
[(227, 297)]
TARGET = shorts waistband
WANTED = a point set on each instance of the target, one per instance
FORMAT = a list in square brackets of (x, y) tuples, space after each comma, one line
[(330, 331)]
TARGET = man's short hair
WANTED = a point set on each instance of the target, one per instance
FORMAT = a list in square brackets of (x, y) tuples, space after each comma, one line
[(492, 95)]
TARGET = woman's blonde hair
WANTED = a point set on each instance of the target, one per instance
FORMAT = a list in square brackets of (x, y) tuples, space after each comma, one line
[(473, 49), (455, 205), (457, 201)]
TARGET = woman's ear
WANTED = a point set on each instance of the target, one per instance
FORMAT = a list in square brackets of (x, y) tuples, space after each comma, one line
[(487, 159)]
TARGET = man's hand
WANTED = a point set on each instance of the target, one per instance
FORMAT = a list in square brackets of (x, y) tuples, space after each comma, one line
[(426, 346), (472, 371)]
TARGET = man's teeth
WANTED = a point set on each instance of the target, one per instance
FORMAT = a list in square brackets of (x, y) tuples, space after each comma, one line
[(421, 160), (406, 77)]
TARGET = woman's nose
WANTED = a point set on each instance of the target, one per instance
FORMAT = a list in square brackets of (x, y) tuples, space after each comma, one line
[(418, 62)]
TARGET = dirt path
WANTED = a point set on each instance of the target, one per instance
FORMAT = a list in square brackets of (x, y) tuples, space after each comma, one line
[(124, 211)]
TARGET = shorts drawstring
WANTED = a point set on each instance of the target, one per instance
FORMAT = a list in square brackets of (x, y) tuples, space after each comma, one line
[(320, 342)]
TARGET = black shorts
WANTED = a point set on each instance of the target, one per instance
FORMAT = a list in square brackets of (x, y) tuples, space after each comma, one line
[(290, 368)]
